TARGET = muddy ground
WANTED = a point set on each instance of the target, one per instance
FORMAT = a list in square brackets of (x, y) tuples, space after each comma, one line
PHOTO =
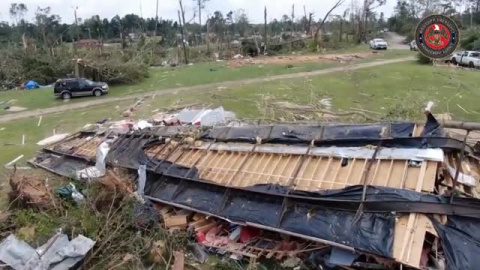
[(298, 59)]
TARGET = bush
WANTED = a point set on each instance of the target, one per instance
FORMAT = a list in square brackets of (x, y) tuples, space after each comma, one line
[(472, 40), (112, 66), (17, 67), (423, 60), (118, 72), (476, 45)]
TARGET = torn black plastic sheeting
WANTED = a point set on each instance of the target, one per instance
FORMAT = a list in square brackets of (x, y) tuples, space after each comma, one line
[(373, 234), (378, 199), (252, 208)]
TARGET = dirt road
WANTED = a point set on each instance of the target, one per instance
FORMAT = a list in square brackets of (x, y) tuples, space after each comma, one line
[(205, 87), (395, 42)]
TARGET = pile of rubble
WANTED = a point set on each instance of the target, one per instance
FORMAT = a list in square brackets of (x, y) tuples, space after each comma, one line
[(371, 196)]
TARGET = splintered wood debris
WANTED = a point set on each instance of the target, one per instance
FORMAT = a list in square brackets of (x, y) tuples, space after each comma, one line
[(307, 164)]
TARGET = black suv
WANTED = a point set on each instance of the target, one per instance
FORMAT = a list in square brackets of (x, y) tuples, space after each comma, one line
[(77, 87)]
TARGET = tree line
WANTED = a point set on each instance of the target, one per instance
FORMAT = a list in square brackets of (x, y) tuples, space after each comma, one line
[(47, 29), (357, 18)]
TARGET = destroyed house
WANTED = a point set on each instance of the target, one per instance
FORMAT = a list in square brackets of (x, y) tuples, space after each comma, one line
[(396, 193)]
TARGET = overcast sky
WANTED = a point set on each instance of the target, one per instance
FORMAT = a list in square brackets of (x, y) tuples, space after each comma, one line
[(168, 8)]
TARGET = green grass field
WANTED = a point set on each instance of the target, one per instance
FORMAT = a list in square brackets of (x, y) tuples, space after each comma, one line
[(389, 90), (392, 90), (167, 78)]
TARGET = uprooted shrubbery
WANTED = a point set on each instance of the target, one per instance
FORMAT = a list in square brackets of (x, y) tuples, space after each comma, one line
[(17, 67), (112, 66), (124, 233)]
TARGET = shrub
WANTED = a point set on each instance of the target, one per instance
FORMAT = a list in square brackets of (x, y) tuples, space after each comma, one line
[(471, 40), (422, 59), (112, 66), (118, 72)]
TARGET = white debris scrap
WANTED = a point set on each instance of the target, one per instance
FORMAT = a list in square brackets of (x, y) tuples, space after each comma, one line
[(462, 178), (100, 166), (429, 106), (53, 139), (58, 253), (205, 117), (142, 124)]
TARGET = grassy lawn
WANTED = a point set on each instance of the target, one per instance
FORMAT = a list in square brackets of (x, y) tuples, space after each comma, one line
[(11, 136), (389, 89), (392, 90), (198, 74), (396, 89)]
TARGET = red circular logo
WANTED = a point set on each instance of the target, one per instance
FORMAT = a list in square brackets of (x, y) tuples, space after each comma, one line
[(437, 36)]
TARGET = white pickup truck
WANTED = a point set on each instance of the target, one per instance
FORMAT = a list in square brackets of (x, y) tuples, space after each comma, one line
[(467, 58)]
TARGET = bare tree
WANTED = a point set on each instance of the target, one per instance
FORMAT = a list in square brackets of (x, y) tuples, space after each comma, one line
[(207, 38), (181, 20), (342, 19), (265, 38), (322, 23), (309, 23), (368, 7), (293, 17), (201, 5), (304, 12), (17, 12), (156, 20)]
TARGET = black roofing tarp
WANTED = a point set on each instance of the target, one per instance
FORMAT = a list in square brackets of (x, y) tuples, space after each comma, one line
[(327, 215), (306, 134), (322, 220), (373, 233), (127, 150), (377, 200), (61, 165), (461, 242)]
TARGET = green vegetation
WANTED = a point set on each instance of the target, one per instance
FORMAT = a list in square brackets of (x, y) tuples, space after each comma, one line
[(471, 40), (380, 89), (201, 73), (11, 136), (423, 60), (385, 89), (397, 91), (105, 216)]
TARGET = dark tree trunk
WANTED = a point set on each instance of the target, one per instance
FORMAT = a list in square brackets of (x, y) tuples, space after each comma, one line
[(341, 31), (207, 38), (183, 35), (265, 38)]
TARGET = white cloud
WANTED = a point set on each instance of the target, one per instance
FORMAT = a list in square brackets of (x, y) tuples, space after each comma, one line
[(168, 8)]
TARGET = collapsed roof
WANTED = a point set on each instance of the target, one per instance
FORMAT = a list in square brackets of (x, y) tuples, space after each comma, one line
[(384, 190)]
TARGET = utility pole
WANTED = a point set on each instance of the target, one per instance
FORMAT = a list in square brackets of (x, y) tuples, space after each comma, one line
[(156, 21)]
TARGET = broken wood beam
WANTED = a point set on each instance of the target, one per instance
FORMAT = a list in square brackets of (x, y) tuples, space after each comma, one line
[(470, 126), (176, 221)]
